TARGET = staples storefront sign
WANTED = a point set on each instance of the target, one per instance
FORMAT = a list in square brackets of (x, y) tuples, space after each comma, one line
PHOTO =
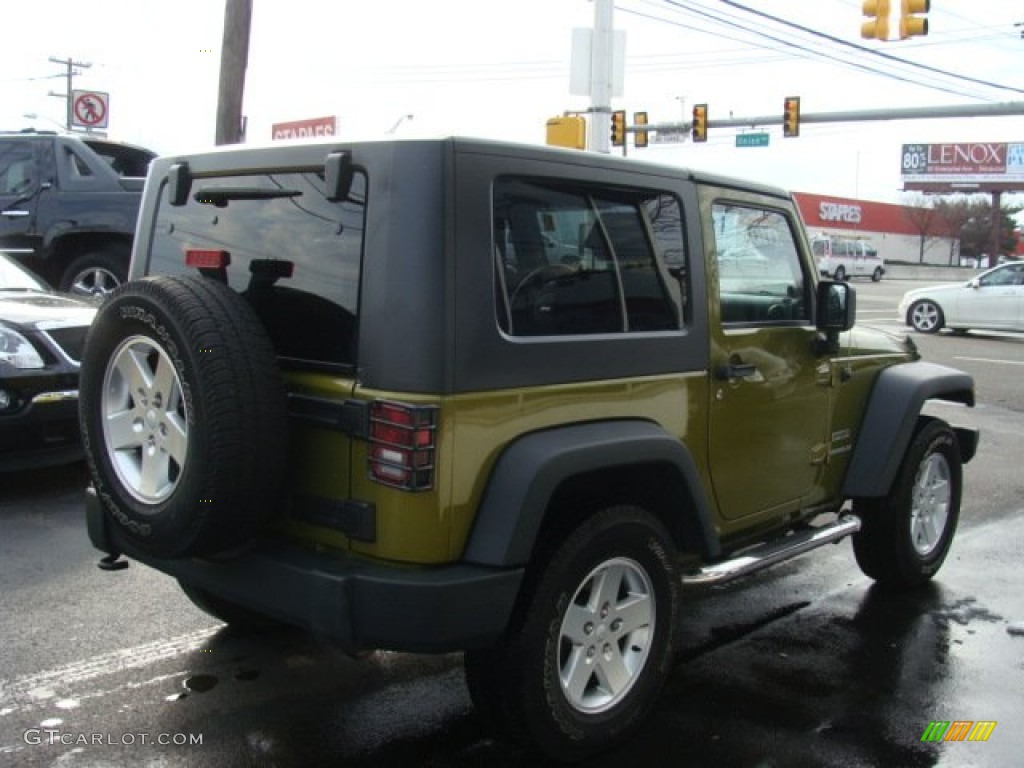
[(847, 213), (305, 129)]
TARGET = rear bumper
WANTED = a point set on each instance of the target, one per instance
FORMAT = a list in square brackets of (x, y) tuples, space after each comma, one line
[(359, 604)]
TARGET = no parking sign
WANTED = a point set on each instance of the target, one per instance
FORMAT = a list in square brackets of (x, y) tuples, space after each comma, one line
[(90, 109)]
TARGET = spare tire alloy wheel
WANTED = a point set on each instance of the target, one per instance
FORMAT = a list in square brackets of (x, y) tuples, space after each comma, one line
[(594, 643), (145, 423), (182, 414)]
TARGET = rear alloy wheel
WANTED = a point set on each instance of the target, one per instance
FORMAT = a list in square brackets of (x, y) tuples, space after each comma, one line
[(595, 644), (876, 275), (95, 274), (925, 316), (906, 535), (840, 274)]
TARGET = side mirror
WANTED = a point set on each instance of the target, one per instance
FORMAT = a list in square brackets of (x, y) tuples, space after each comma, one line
[(974, 283), (836, 309)]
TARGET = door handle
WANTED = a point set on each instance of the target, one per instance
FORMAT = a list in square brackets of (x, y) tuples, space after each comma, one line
[(735, 371), (14, 214)]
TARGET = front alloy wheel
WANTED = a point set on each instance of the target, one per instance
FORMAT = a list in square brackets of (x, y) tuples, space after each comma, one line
[(932, 496), (906, 535)]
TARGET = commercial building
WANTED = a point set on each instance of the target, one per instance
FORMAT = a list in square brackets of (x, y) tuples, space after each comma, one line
[(897, 232)]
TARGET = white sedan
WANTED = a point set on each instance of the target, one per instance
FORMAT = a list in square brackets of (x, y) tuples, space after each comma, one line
[(994, 301)]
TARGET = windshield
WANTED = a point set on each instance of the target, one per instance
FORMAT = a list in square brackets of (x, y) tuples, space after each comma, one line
[(15, 278)]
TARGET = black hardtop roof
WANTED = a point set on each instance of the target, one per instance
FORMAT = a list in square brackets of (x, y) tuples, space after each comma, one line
[(307, 153)]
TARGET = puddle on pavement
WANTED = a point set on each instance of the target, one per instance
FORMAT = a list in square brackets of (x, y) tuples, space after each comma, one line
[(200, 683)]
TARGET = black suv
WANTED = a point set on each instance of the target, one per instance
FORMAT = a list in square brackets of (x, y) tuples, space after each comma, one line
[(68, 206), (461, 395)]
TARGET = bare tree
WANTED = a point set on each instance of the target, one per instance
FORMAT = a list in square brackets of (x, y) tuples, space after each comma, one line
[(923, 215), (955, 212)]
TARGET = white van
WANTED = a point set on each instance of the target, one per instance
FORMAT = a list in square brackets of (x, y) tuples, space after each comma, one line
[(840, 258)]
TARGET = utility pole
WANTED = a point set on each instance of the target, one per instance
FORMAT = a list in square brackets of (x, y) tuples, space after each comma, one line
[(70, 64), (601, 53), (234, 58)]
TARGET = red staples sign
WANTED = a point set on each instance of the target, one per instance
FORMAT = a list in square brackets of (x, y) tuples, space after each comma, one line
[(305, 129)]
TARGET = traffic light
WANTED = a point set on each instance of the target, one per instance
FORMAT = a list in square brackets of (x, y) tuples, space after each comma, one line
[(791, 117), (911, 25), (877, 25), (618, 128), (700, 122), (567, 131), (640, 137)]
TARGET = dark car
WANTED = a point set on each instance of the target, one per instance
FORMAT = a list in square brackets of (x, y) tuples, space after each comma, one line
[(41, 338)]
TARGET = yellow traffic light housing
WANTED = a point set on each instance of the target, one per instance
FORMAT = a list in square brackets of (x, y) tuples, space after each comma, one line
[(877, 24), (791, 117), (640, 138), (567, 131), (618, 128), (912, 25), (699, 129)]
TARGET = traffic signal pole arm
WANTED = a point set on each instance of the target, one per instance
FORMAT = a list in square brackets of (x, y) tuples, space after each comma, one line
[(851, 116)]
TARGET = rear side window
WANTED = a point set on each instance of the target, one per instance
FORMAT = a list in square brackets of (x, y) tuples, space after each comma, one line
[(574, 259), (294, 255)]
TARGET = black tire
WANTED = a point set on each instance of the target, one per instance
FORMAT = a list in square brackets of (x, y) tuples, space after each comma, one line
[(876, 276), (96, 273), (840, 274), (906, 535), (182, 410), (232, 614), (925, 316), (517, 687)]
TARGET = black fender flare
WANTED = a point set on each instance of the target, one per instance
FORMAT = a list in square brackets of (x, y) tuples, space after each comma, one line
[(530, 470), (892, 414)]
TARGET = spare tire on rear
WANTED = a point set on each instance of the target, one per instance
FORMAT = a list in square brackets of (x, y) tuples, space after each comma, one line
[(183, 416)]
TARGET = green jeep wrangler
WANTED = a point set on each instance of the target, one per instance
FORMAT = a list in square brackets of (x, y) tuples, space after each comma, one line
[(458, 395)]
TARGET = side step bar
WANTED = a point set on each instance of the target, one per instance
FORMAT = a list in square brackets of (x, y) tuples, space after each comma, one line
[(773, 552)]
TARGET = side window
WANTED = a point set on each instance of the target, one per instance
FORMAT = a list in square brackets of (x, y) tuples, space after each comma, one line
[(760, 274), (76, 166), (575, 259), (16, 166), (1007, 276)]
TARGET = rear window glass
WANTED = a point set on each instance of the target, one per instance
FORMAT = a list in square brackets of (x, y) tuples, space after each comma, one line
[(271, 225)]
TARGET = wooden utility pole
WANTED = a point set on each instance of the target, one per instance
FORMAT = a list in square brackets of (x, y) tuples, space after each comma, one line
[(70, 64), (234, 57)]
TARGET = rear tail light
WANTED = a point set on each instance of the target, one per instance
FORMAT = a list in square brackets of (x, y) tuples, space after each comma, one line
[(202, 258), (402, 445)]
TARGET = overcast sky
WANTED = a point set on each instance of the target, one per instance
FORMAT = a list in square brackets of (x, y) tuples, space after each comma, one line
[(499, 70)]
